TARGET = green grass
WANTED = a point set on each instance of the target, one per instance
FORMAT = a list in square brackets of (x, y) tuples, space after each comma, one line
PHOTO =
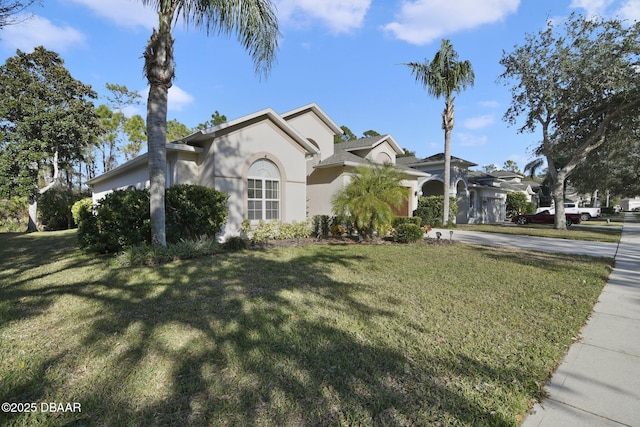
[(316, 335), (599, 233)]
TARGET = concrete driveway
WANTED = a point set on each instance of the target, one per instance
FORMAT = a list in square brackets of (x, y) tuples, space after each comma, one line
[(543, 244)]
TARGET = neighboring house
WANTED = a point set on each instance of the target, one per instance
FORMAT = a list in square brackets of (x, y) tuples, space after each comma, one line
[(630, 204), (286, 167)]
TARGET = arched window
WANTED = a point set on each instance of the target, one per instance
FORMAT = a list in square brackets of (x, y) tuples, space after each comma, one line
[(263, 191)]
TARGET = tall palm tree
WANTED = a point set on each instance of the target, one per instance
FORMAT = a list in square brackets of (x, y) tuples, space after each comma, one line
[(255, 24), (443, 76)]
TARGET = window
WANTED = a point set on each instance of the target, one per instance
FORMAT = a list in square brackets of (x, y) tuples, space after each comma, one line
[(263, 191)]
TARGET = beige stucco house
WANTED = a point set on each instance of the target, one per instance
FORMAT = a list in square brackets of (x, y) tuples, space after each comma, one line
[(283, 167)]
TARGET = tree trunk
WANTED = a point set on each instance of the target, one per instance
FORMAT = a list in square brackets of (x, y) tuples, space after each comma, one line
[(33, 213), (34, 224), (156, 128), (159, 69), (447, 125), (560, 221)]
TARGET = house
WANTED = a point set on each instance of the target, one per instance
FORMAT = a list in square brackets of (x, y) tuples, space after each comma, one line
[(630, 204), (286, 167)]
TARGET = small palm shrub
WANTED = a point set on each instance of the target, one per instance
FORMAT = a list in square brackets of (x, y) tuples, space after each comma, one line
[(369, 199)]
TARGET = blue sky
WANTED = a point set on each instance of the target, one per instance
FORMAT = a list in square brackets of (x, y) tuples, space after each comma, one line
[(344, 55)]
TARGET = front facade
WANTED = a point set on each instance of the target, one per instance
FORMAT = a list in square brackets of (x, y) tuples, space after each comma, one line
[(286, 167)]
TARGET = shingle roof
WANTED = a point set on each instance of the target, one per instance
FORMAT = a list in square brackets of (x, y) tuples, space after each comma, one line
[(340, 158), (359, 143), (437, 158)]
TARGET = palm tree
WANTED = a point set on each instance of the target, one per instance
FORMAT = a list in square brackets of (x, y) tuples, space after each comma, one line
[(256, 26), (443, 76), (370, 197)]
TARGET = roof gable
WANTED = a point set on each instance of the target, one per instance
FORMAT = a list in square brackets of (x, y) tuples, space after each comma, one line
[(369, 143), (313, 107), (267, 114)]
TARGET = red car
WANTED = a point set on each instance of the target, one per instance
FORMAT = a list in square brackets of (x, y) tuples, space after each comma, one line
[(544, 217)]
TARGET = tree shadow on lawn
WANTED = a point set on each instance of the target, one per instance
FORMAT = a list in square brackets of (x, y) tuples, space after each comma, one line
[(243, 339), (550, 261)]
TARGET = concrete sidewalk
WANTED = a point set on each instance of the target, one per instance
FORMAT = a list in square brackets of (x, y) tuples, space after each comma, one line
[(598, 381)]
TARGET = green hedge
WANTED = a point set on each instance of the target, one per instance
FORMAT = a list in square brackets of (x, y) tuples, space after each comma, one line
[(406, 220), (408, 233), (122, 219), (431, 210), (54, 207), (194, 211)]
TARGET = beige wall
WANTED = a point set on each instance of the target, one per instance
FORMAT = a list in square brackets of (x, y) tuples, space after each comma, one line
[(382, 149), (322, 185), (137, 177), (227, 160), (310, 126)]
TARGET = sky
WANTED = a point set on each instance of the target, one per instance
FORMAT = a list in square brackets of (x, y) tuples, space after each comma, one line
[(346, 56)]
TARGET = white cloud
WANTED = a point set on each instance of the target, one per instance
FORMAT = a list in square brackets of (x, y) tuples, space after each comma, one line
[(630, 10), (341, 16), (470, 140), (591, 7), (125, 13), (39, 31), (478, 122), (625, 9), (178, 98), (489, 104), (422, 21)]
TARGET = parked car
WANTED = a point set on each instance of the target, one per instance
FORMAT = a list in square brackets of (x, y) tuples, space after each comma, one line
[(585, 213), (545, 217)]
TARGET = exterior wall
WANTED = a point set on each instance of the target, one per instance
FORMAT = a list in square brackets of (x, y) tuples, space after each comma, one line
[(412, 188), (462, 217), (630, 204), (383, 149), (487, 206), (310, 126), (227, 159), (184, 167), (137, 177), (322, 185)]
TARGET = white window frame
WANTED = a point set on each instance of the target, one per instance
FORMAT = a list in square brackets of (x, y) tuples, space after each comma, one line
[(264, 192)]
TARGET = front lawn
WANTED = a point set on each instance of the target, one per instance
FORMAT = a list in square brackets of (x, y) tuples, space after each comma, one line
[(316, 335)]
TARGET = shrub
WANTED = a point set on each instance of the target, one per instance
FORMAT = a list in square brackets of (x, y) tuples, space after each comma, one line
[(321, 225), (13, 214), (145, 255), (293, 230), (235, 243), (264, 231), (518, 203), (406, 219), (121, 221), (54, 208), (82, 205), (408, 233), (370, 197), (279, 231), (430, 210), (194, 211), (82, 212)]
